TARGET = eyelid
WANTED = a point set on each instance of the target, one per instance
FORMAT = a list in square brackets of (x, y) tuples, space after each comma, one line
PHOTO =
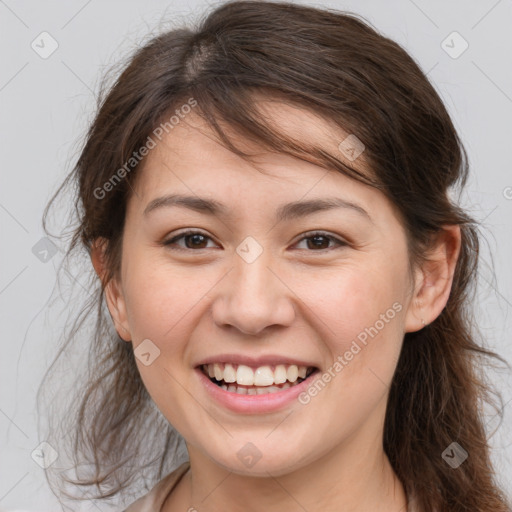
[(184, 234), (340, 241)]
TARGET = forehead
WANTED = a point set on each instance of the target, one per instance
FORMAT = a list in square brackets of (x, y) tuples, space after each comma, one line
[(190, 161), (191, 151)]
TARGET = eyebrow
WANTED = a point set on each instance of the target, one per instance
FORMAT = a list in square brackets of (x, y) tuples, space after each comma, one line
[(293, 210)]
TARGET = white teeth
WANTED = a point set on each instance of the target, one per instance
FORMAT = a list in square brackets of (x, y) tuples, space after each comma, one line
[(255, 390), (219, 374), (244, 375), (261, 376), (293, 373), (229, 373), (280, 374)]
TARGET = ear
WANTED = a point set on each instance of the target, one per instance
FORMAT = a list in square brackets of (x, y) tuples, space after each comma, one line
[(434, 280), (113, 291)]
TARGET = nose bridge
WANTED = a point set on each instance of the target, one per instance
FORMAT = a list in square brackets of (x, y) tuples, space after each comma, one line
[(253, 278), (253, 297)]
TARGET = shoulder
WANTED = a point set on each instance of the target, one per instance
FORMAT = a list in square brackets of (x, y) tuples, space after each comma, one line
[(153, 500)]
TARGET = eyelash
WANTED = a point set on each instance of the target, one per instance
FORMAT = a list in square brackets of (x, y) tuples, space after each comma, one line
[(168, 243)]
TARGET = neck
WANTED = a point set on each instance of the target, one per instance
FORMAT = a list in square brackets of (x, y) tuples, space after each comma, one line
[(356, 477)]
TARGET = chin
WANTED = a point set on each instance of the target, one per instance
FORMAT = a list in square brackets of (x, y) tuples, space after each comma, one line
[(249, 461)]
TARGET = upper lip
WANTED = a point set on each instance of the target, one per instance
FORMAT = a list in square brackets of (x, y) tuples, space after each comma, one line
[(265, 360)]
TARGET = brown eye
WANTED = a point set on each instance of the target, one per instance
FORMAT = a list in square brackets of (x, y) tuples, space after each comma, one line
[(318, 242), (321, 241), (193, 240), (197, 241)]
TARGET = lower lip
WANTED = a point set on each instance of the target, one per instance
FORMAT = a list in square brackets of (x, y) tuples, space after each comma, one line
[(268, 402)]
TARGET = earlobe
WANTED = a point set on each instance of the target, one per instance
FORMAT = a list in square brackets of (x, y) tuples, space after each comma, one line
[(113, 295), (435, 280)]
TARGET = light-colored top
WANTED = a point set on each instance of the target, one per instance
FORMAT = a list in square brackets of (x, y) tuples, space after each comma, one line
[(154, 499)]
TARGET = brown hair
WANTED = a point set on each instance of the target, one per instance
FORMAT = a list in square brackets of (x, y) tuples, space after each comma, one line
[(340, 67)]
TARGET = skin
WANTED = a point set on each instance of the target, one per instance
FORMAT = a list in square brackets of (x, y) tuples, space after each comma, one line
[(293, 299)]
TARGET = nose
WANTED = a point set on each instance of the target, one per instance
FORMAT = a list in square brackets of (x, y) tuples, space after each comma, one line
[(253, 297)]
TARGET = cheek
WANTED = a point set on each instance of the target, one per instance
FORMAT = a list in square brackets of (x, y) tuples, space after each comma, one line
[(158, 302), (158, 305), (347, 301), (358, 313)]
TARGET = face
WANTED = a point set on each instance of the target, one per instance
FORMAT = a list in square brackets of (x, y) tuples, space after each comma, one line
[(328, 288)]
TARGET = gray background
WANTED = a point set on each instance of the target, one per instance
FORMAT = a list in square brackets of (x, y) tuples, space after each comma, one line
[(47, 103)]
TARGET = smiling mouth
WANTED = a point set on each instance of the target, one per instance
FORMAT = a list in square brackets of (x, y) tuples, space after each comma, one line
[(238, 380)]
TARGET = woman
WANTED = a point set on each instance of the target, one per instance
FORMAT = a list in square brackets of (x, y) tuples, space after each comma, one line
[(266, 203)]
